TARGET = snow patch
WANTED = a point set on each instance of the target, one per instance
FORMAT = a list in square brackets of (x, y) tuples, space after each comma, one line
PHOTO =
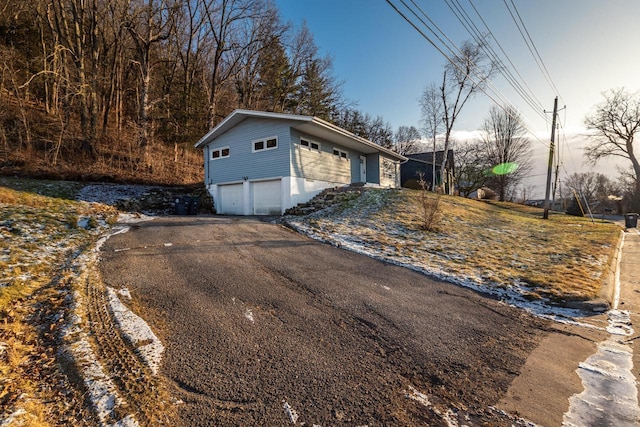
[(419, 397), (137, 332), (124, 292), (100, 389), (610, 396), (249, 315), (449, 416), (291, 413), (133, 218), (13, 417), (619, 322), (111, 193)]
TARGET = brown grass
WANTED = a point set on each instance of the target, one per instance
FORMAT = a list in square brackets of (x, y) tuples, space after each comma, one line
[(562, 258), (498, 244), (37, 236)]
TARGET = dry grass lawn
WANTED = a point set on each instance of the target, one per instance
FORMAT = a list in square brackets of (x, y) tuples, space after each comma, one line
[(38, 236), (494, 244)]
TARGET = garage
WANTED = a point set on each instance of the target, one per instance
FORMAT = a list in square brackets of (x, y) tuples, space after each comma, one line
[(231, 200), (267, 197)]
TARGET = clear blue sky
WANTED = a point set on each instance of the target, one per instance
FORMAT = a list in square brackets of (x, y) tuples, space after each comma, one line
[(588, 46)]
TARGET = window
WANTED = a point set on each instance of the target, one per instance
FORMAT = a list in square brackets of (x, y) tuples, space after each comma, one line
[(340, 154), (264, 144), (220, 153), (314, 146)]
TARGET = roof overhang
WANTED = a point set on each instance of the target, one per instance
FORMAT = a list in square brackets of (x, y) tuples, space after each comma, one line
[(309, 125)]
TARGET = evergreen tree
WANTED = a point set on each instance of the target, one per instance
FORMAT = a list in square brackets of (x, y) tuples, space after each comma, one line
[(276, 81), (318, 93)]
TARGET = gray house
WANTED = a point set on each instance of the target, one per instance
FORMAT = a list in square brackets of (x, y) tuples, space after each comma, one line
[(261, 163)]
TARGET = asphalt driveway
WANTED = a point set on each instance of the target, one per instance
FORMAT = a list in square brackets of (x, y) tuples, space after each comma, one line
[(263, 326)]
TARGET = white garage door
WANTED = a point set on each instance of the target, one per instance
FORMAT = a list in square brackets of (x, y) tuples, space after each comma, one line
[(267, 197), (231, 200)]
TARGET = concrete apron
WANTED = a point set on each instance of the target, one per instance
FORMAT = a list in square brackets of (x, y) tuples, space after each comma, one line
[(564, 368)]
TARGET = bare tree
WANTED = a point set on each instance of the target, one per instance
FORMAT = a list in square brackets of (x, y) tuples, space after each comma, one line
[(75, 24), (613, 126), (229, 24), (461, 79), (505, 142), (594, 188), (432, 120), (406, 140), (150, 23)]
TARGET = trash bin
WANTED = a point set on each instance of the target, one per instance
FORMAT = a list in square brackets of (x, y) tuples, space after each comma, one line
[(180, 206), (194, 204), (631, 220)]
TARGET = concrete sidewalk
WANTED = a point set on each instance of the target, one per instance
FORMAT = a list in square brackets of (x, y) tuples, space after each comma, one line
[(549, 379)]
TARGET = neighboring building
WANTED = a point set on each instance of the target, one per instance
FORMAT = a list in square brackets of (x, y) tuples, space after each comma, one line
[(261, 163), (422, 163)]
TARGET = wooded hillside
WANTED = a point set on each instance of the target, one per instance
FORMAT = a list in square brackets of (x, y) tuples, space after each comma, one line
[(122, 89)]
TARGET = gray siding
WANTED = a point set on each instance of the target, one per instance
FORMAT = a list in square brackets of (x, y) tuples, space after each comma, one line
[(323, 165), (242, 162)]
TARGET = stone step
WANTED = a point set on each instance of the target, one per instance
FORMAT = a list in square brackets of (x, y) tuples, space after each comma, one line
[(324, 199)]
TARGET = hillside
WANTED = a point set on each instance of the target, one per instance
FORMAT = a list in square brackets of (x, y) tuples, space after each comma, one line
[(504, 249), (36, 144)]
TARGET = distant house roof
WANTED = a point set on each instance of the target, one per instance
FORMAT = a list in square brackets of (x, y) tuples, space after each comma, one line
[(307, 124), (427, 157)]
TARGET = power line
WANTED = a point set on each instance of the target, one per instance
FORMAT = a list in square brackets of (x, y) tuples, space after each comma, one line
[(454, 63), (506, 55), (531, 46), (467, 22)]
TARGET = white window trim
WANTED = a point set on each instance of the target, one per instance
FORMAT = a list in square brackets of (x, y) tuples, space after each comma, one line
[(253, 144), (310, 148), (219, 150), (340, 153)]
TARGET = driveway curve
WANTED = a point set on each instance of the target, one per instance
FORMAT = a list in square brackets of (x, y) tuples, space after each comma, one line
[(263, 326)]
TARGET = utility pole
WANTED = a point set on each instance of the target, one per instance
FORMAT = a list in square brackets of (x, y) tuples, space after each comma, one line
[(550, 166), (555, 179)]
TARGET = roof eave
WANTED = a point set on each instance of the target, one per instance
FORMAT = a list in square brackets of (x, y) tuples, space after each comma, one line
[(238, 115), (357, 138)]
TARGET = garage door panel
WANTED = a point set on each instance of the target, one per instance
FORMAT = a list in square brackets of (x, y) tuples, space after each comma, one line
[(267, 197), (231, 199)]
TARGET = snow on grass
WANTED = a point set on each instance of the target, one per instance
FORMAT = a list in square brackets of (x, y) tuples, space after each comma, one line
[(42, 238), (491, 250)]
